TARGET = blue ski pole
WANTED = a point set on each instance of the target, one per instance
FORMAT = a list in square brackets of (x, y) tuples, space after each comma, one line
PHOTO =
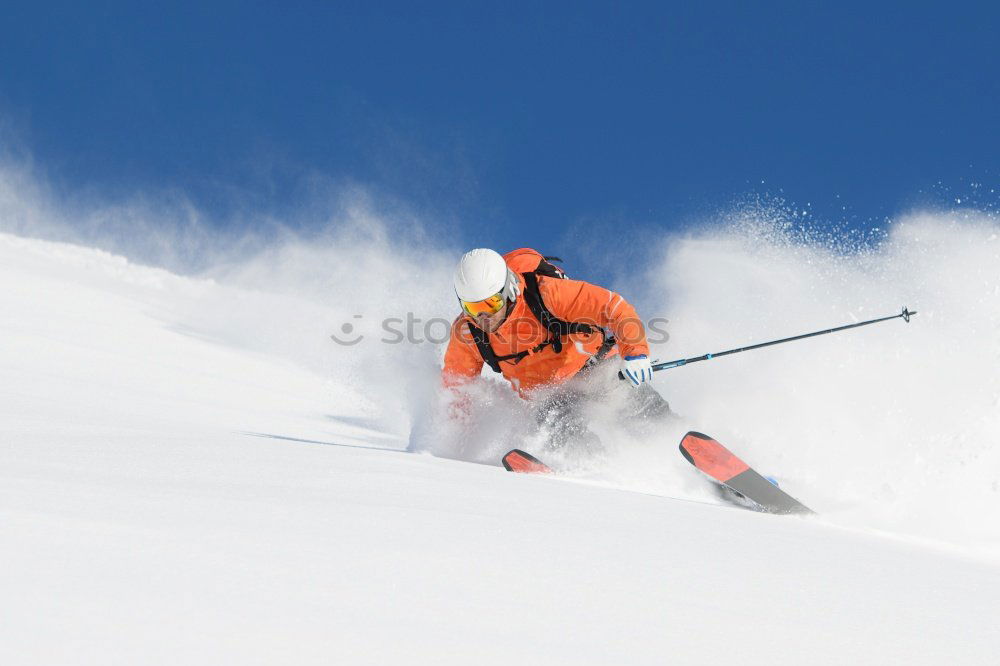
[(666, 365)]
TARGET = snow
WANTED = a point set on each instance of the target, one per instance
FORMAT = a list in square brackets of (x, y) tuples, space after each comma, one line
[(183, 480)]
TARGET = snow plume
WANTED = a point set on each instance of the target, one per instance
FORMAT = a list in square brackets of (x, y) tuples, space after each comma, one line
[(893, 425), (363, 304), (162, 229), (347, 286)]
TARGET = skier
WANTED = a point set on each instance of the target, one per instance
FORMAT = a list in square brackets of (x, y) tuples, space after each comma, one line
[(553, 338)]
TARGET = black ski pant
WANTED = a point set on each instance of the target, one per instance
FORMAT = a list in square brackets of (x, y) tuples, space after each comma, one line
[(563, 414)]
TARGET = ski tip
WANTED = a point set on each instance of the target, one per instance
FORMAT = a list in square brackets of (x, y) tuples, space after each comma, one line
[(517, 460), (692, 434), (710, 457)]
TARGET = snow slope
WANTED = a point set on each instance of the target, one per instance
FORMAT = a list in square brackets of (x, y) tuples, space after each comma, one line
[(184, 480)]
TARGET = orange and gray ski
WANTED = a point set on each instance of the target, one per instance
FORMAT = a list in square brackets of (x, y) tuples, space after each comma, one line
[(517, 460), (721, 464)]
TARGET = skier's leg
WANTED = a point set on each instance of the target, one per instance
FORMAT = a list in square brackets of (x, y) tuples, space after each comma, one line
[(647, 404), (644, 409), (562, 417)]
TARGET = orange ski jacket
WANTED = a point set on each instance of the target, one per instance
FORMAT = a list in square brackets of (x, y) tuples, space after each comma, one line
[(569, 300)]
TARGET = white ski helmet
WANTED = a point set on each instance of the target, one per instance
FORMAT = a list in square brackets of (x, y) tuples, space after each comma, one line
[(481, 273)]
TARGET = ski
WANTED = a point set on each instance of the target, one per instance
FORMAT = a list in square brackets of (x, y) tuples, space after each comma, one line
[(517, 460), (721, 464)]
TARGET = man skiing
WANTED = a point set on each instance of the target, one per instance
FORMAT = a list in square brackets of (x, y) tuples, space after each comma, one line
[(553, 338)]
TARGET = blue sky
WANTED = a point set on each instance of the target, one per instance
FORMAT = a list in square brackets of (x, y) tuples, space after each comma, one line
[(514, 123)]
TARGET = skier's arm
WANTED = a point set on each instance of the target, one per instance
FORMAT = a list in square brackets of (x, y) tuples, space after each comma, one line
[(462, 361), (578, 301), (462, 364)]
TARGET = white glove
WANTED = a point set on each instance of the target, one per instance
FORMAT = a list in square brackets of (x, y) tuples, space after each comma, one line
[(637, 369)]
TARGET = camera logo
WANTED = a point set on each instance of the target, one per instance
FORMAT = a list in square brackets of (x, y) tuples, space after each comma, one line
[(347, 330)]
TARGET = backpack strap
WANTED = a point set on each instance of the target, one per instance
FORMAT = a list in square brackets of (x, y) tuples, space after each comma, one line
[(483, 345), (557, 328), (490, 356), (549, 269)]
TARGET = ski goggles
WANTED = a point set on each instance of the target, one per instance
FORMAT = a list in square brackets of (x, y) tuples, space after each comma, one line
[(490, 306)]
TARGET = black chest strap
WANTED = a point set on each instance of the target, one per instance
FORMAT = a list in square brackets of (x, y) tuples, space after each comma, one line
[(557, 328)]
